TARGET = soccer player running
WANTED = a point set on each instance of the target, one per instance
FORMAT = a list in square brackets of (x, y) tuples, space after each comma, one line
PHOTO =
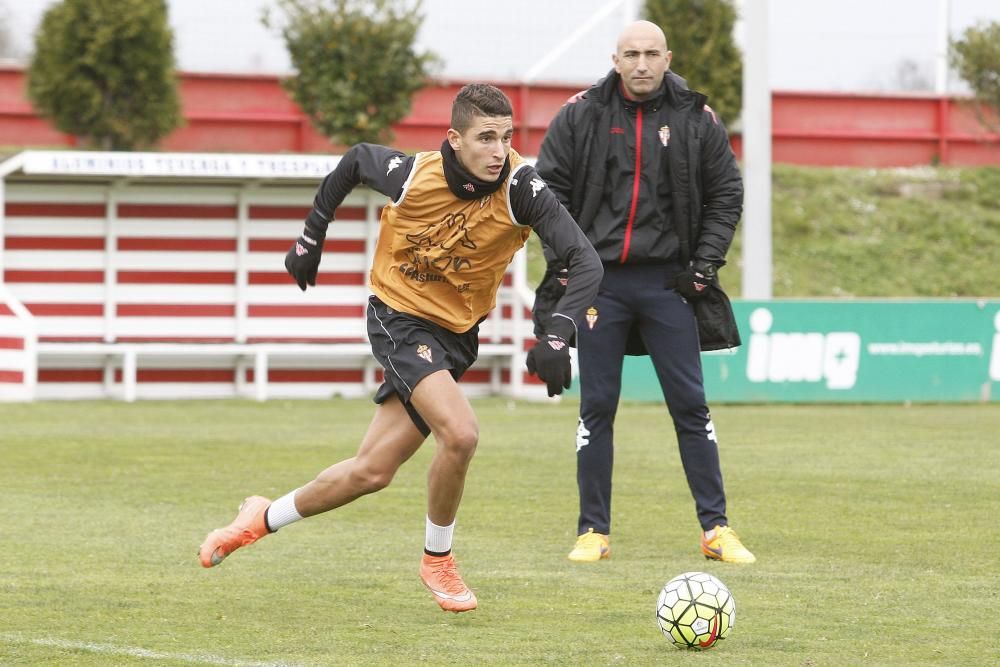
[(645, 168), (454, 220)]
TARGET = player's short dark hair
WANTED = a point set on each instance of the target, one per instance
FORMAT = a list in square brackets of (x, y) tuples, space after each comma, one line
[(478, 99)]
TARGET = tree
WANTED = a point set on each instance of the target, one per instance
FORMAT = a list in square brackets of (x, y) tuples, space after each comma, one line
[(357, 68), (976, 58), (103, 70), (700, 35)]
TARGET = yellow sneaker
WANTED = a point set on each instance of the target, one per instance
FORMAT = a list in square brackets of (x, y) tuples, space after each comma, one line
[(722, 543), (440, 576), (590, 547), (248, 527)]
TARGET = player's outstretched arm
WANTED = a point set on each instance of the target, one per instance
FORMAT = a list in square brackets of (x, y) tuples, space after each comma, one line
[(379, 167)]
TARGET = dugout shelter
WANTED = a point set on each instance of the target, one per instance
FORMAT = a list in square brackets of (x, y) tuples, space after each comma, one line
[(160, 275)]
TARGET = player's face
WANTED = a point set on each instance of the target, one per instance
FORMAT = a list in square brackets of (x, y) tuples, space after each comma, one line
[(483, 147), (642, 59)]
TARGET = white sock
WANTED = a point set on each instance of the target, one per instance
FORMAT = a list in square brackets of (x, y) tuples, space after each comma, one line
[(282, 512), (437, 539)]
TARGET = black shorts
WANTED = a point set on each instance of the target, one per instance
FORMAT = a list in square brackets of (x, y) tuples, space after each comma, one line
[(411, 348)]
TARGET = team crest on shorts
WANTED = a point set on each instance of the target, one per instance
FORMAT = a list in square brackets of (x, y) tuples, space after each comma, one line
[(424, 352), (591, 317)]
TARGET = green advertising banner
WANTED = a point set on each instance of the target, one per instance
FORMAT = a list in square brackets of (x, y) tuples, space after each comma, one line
[(849, 351)]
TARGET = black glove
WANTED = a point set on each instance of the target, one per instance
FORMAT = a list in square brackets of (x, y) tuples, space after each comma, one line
[(693, 282), (549, 358), (302, 261)]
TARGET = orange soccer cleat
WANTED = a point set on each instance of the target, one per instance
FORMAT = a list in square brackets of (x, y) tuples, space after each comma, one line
[(440, 576), (248, 527)]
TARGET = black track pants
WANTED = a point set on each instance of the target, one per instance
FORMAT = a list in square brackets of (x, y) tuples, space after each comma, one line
[(636, 294)]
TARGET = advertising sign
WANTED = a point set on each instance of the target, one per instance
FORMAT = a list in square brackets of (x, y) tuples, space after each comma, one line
[(849, 351)]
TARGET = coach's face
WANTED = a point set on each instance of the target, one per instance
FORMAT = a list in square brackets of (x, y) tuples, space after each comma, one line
[(483, 147), (642, 59)]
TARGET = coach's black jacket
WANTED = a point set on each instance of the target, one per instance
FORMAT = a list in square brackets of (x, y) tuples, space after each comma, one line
[(705, 190)]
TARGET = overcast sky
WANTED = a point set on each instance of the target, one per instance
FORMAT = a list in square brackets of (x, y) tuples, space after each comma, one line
[(844, 45)]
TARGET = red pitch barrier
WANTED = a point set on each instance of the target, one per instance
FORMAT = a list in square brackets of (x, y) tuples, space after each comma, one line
[(251, 113)]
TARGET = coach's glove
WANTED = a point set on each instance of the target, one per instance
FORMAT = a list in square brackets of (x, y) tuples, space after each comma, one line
[(693, 282), (302, 261), (549, 359)]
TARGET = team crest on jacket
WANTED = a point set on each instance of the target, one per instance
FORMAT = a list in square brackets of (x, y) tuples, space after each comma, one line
[(591, 317), (665, 135), (424, 352), (470, 187)]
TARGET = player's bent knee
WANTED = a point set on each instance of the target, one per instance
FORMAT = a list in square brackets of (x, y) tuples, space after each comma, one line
[(461, 440)]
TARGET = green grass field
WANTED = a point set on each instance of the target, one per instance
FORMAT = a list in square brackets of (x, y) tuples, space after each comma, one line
[(873, 526)]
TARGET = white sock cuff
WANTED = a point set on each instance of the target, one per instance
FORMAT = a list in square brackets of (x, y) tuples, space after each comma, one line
[(437, 539), (282, 512)]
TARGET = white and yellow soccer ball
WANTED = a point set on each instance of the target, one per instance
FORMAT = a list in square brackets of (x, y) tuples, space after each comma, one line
[(695, 610)]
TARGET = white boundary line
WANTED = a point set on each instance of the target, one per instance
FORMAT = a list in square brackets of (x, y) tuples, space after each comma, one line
[(136, 652)]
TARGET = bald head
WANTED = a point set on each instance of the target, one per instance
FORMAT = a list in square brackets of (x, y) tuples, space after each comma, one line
[(641, 59), (644, 30)]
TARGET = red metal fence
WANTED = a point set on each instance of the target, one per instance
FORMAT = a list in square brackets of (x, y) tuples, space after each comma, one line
[(226, 112)]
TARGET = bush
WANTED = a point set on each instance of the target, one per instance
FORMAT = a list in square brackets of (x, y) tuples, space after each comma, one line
[(103, 70), (976, 57), (357, 69)]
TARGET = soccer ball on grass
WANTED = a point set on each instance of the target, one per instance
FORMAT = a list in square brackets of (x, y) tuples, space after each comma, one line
[(695, 610)]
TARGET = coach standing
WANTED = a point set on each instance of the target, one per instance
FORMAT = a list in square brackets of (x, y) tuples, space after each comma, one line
[(644, 166)]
